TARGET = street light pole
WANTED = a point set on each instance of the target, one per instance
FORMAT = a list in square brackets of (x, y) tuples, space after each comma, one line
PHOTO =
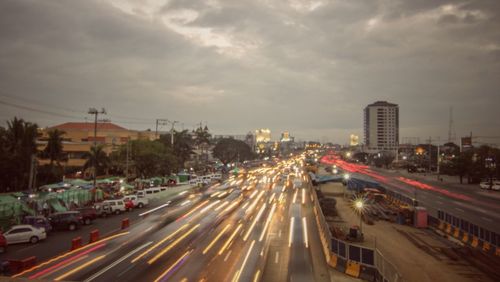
[(95, 112)]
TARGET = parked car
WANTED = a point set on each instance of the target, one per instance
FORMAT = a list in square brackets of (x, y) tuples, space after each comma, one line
[(495, 185), (116, 206), (138, 202), (24, 233), (3, 244), (103, 209), (88, 214), (38, 221), (69, 220)]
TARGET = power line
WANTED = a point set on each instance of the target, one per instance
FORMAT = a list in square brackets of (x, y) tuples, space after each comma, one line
[(37, 110)]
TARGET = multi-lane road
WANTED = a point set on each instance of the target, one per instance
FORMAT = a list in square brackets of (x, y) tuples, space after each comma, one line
[(468, 204), (250, 228)]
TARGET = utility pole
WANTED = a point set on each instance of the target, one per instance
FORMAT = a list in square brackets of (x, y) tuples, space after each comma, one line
[(32, 173), (95, 112), (126, 163), (172, 132)]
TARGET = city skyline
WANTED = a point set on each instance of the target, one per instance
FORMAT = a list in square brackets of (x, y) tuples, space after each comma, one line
[(304, 66)]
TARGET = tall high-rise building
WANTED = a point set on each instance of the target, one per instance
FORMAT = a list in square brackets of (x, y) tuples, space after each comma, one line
[(381, 126)]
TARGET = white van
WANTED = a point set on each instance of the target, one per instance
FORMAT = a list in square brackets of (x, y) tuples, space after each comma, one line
[(150, 192), (116, 206), (217, 176)]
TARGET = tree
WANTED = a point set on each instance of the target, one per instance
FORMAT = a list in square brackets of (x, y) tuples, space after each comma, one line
[(54, 150), (183, 145), (18, 146), (97, 156), (228, 150), (202, 136)]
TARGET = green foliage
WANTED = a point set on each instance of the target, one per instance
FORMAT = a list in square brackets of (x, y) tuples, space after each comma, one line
[(54, 150), (183, 145), (97, 156), (228, 150), (17, 145)]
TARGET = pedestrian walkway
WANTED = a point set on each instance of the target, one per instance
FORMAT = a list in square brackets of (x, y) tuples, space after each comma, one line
[(416, 253)]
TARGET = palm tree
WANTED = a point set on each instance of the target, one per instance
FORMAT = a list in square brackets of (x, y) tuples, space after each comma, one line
[(97, 156), (19, 143), (54, 150)]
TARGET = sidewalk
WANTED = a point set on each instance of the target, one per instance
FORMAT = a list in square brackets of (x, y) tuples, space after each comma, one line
[(416, 253)]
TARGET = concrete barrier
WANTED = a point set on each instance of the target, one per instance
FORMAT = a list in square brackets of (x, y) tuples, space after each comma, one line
[(94, 236), (353, 269), (125, 223), (28, 262), (76, 243)]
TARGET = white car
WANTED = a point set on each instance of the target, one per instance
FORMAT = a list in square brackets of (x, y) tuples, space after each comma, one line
[(116, 206), (486, 185), (138, 202), (24, 234)]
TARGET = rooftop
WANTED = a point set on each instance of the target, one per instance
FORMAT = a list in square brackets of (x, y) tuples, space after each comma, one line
[(382, 103), (88, 126)]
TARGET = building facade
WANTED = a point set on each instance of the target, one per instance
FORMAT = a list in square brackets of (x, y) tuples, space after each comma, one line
[(78, 138), (381, 126)]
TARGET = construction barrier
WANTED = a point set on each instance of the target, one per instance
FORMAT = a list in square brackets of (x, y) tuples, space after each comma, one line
[(125, 223), (354, 260), (28, 262), (76, 243), (15, 266), (94, 236)]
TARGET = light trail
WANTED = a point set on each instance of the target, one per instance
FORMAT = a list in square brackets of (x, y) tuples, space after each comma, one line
[(272, 198), (75, 270), (215, 194), (253, 194), (290, 236), (70, 253), (173, 244), (216, 239), (269, 218), (221, 251), (259, 214), (193, 210), (238, 274), (159, 243), (256, 276), (221, 206), (155, 209), (64, 262), (252, 206), (117, 262), (231, 206), (294, 196), (303, 196), (304, 227), (208, 207), (177, 262)]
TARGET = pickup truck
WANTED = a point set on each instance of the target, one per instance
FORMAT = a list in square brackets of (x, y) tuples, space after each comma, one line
[(138, 201)]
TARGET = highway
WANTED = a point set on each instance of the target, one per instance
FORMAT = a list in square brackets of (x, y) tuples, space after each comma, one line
[(248, 228), (463, 203)]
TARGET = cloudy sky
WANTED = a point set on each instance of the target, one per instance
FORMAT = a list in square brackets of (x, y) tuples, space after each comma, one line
[(309, 67)]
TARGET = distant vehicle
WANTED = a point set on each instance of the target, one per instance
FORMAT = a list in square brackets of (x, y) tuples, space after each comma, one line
[(70, 220), (138, 202), (150, 193), (38, 221), (495, 185), (3, 244), (24, 233), (103, 209), (89, 214), (117, 206)]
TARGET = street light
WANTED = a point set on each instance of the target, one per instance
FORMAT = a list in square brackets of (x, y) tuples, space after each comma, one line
[(360, 205)]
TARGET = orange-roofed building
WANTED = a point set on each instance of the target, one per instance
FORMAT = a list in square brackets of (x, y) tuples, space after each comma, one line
[(79, 138)]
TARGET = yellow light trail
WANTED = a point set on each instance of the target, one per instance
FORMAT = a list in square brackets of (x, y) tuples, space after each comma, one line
[(169, 247), (70, 253), (208, 207), (172, 266), (237, 275), (216, 239), (290, 236), (303, 196), (231, 206), (221, 251), (221, 206), (253, 194), (214, 194), (304, 227), (195, 209), (269, 217), (252, 206), (76, 269), (294, 196), (256, 277), (159, 243), (259, 214), (272, 198)]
